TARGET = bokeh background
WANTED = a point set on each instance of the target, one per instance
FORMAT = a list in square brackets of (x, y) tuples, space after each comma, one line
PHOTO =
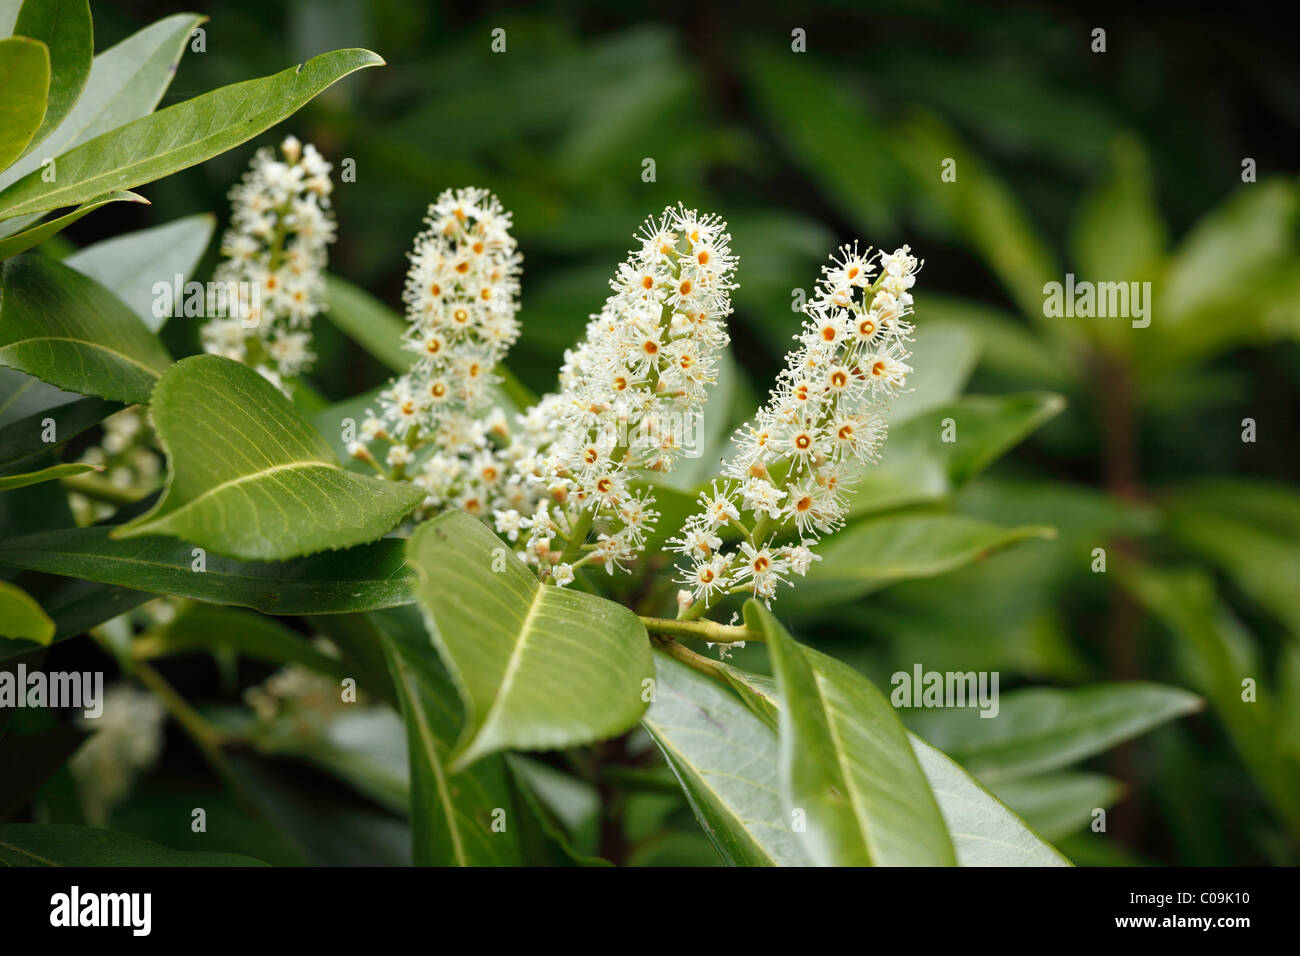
[(1116, 166)]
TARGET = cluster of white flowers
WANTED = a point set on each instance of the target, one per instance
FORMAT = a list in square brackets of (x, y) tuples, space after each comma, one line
[(307, 696), (437, 421), (787, 483), (127, 738), (271, 283), (629, 394), (129, 457)]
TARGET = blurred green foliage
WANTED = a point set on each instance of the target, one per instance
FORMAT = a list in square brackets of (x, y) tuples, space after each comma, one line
[(1122, 166)]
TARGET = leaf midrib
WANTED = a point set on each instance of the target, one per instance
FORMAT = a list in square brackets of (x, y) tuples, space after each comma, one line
[(229, 483), (153, 372)]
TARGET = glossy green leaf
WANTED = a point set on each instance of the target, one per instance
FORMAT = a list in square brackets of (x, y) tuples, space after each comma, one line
[(1043, 729), (130, 265), (918, 465), (877, 551), (32, 411), (362, 578), (69, 331), (249, 477), (726, 760), (21, 618), (36, 844), (537, 667), (179, 136), (205, 627), (34, 235), (64, 27), (846, 762), (984, 831), (126, 82), (52, 473), (451, 813), (25, 79)]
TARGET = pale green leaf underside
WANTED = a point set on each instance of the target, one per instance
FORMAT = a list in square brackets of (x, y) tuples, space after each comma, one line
[(537, 667), (846, 762), (131, 265), (126, 82), (984, 831), (725, 758), (250, 478)]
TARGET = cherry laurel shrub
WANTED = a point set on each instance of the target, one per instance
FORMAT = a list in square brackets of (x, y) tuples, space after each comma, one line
[(532, 601)]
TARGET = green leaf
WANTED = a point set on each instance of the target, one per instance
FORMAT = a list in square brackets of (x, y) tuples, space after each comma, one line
[(21, 618), (34, 235), (726, 760), (76, 609), (1058, 804), (1119, 235), (984, 831), (984, 211), (366, 577), (841, 144), (943, 358), (1043, 729), (25, 79), (204, 627), (179, 136), (1249, 530), (26, 403), (875, 552), (537, 667), (847, 764), (366, 320), (1218, 655), (126, 82), (67, 330), (451, 813), (918, 465), (249, 477), (36, 844), (129, 265), (51, 473), (64, 27)]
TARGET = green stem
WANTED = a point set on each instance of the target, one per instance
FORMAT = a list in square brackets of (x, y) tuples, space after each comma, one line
[(710, 631), (578, 535), (98, 488)]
